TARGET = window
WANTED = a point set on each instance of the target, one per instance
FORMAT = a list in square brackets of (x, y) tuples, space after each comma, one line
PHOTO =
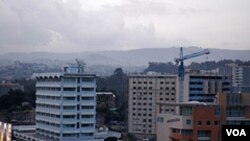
[(186, 111), (88, 89), (217, 111), (186, 132), (204, 133), (208, 123), (199, 122), (160, 119), (87, 79), (188, 122), (216, 122), (68, 89)]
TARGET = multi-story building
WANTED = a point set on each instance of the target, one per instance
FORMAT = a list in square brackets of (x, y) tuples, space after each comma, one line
[(145, 90), (239, 76), (193, 121), (235, 108), (203, 87), (65, 105)]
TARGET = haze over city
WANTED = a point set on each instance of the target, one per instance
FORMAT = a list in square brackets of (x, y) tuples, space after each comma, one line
[(83, 25)]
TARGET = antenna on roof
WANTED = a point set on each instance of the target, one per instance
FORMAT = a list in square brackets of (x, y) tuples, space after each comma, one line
[(81, 64)]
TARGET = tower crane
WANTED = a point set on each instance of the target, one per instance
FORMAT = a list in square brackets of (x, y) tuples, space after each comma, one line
[(181, 70)]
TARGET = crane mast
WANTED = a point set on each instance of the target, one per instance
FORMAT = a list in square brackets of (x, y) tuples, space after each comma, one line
[(181, 70)]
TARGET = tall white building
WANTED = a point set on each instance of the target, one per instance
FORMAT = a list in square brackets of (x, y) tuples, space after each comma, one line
[(145, 90), (65, 105)]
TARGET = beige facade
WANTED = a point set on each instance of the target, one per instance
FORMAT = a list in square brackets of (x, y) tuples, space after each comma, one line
[(145, 90)]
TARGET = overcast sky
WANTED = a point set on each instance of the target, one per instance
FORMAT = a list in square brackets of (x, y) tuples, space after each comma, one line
[(95, 25)]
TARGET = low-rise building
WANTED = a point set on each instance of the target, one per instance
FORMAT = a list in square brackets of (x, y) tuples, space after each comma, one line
[(191, 122)]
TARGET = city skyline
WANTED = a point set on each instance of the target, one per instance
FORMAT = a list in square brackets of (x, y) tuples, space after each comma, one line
[(80, 26)]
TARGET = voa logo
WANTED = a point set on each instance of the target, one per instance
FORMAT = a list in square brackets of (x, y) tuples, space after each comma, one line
[(236, 132)]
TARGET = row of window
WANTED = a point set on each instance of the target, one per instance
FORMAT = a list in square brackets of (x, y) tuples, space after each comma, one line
[(66, 89), (64, 107), (77, 125), (142, 130), (150, 88), (140, 114), (66, 79), (150, 82), (65, 116), (217, 122)]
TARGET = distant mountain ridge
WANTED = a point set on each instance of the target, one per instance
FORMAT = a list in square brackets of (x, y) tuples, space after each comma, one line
[(136, 57)]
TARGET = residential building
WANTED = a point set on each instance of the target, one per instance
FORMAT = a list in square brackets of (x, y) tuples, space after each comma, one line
[(193, 121), (65, 105), (203, 87), (144, 91)]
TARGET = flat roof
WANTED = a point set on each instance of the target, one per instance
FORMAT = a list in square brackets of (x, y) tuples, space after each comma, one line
[(191, 103)]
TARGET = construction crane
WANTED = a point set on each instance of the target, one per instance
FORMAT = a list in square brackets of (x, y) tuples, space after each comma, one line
[(181, 70)]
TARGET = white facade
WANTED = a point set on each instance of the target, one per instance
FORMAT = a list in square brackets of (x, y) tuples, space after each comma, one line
[(65, 105), (237, 76)]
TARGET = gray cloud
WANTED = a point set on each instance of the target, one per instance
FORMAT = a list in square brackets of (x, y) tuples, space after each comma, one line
[(62, 26)]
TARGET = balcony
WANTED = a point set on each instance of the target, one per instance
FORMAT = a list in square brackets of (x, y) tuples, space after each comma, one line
[(69, 93), (88, 93), (48, 84), (70, 102), (88, 84), (87, 120), (69, 112), (69, 84), (87, 129), (70, 130), (88, 102), (48, 119), (48, 93), (48, 101), (69, 120), (48, 110), (45, 127), (88, 111)]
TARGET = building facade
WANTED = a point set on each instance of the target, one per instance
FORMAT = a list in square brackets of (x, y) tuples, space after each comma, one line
[(203, 87), (235, 108), (65, 105), (145, 90), (192, 122)]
